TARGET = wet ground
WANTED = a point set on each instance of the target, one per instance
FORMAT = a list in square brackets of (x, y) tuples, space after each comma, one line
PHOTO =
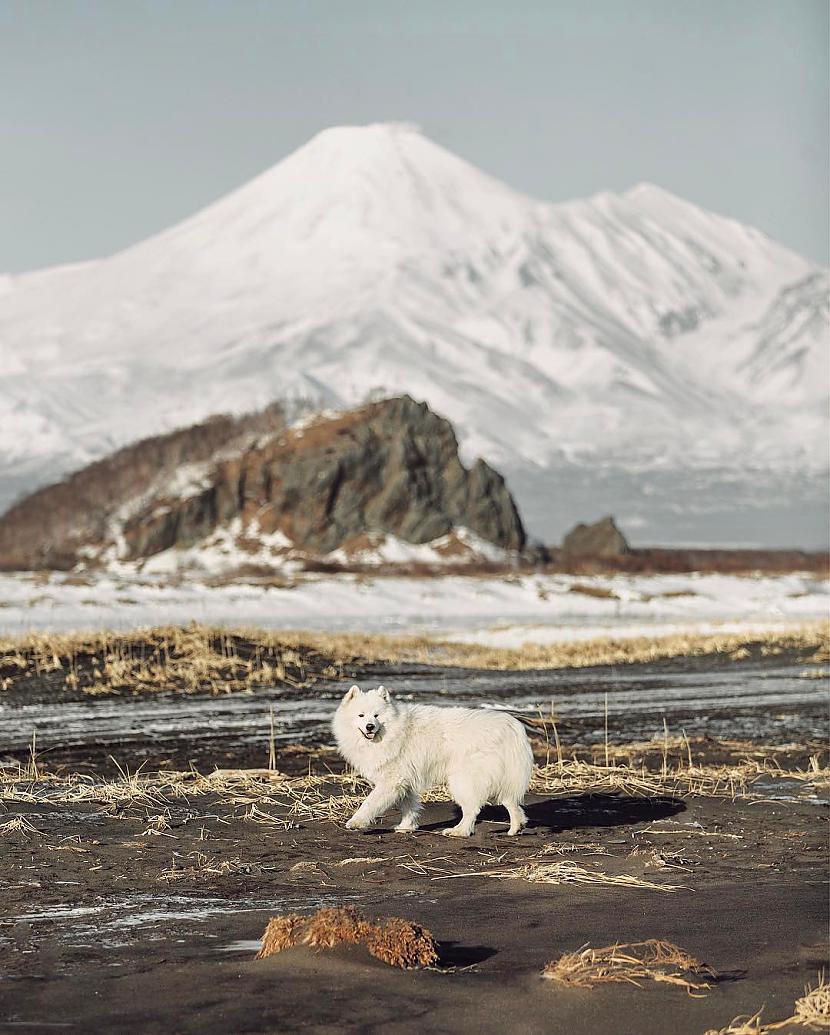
[(110, 925), (768, 700), (144, 916)]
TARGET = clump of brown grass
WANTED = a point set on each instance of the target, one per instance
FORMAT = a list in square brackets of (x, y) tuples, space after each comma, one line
[(337, 925), (604, 650), (402, 944), (631, 963), (280, 933), (397, 942)]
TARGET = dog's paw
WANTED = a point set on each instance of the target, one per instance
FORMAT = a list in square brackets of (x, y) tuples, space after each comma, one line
[(406, 828), (456, 832), (357, 823)]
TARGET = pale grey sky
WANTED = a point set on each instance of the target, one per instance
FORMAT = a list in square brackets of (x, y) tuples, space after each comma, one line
[(119, 117)]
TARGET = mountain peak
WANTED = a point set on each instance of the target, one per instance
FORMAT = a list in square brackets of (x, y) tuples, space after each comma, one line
[(357, 130), (383, 182), (645, 190), (373, 261)]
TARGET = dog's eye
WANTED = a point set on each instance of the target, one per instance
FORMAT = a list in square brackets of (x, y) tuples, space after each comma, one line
[(376, 715), (360, 715)]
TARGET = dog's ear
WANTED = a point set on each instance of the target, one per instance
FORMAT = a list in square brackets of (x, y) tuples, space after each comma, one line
[(384, 693), (351, 693)]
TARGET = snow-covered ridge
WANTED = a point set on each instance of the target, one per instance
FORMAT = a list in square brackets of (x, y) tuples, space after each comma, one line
[(630, 328)]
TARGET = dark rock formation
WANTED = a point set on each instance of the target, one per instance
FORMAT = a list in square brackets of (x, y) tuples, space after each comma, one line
[(390, 467), (50, 528), (601, 539)]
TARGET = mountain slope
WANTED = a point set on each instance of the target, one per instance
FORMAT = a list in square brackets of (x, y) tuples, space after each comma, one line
[(625, 330)]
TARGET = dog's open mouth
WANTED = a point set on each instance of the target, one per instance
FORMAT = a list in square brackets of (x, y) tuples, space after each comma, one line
[(368, 736)]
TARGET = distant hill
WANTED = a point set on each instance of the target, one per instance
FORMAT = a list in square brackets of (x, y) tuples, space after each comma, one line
[(380, 483)]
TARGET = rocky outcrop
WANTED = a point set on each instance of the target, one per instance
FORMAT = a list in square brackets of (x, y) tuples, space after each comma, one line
[(390, 467), (58, 525), (601, 539)]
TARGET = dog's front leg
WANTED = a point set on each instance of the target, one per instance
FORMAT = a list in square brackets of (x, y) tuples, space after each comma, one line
[(381, 798)]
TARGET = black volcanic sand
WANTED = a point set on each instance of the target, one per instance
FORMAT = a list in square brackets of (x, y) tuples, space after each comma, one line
[(95, 938)]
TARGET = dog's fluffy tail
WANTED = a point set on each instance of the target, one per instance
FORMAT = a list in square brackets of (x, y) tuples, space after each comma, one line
[(520, 772)]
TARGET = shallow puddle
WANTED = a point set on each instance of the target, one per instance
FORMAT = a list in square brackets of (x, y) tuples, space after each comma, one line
[(120, 921)]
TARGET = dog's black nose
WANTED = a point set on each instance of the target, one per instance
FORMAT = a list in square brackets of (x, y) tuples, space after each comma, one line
[(370, 727)]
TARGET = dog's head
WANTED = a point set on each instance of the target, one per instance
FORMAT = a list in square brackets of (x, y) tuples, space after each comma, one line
[(371, 711)]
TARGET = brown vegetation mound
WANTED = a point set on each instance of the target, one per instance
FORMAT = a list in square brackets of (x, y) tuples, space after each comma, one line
[(394, 941)]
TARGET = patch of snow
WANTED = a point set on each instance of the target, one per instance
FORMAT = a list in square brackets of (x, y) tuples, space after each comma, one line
[(458, 547), (503, 610)]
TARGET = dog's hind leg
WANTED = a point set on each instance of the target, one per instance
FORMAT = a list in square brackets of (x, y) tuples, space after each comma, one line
[(410, 811), (518, 819), (470, 800)]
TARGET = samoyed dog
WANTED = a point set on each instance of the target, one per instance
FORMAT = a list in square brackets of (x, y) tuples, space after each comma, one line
[(404, 749)]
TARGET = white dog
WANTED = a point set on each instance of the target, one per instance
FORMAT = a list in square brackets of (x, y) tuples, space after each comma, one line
[(404, 749)]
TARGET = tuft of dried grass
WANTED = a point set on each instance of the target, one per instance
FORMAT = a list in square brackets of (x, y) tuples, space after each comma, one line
[(19, 825), (565, 872), (811, 1011), (813, 1008), (744, 1024), (193, 659), (202, 865), (631, 963), (394, 941)]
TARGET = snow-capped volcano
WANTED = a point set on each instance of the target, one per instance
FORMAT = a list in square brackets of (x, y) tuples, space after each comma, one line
[(626, 332)]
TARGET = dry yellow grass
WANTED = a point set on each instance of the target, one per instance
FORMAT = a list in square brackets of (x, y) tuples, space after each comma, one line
[(744, 1024), (811, 1012), (19, 825), (813, 1008), (258, 793), (397, 942), (606, 650), (202, 865), (195, 659), (200, 659), (630, 963), (564, 872)]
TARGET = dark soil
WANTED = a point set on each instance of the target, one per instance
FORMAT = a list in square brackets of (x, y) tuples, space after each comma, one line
[(111, 926)]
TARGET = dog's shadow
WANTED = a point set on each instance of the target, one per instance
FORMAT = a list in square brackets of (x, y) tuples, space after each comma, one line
[(599, 810), (577, 811)]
